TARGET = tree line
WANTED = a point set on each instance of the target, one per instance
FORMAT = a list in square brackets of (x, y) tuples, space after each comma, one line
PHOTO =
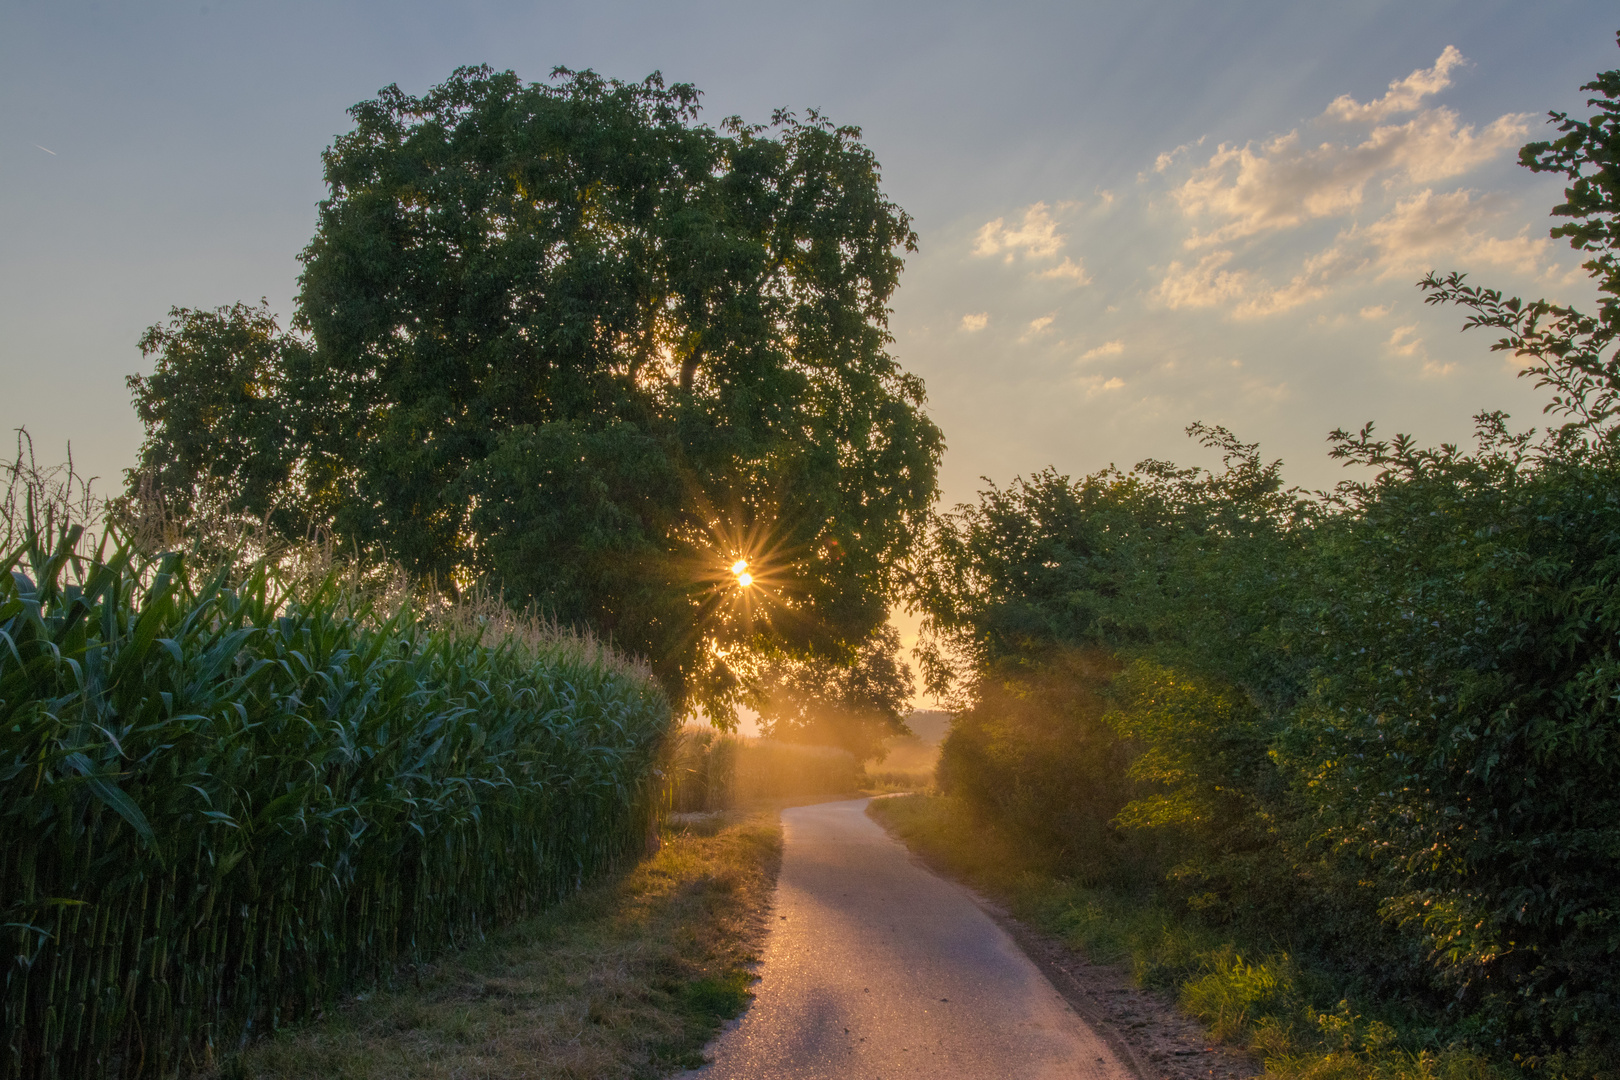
[(1378, 722), (564, 341)]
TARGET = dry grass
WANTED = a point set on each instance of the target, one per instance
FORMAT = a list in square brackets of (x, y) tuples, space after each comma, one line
[(628, 979)]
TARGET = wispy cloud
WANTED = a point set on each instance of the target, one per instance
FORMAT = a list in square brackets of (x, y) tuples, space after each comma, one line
[(1098, 384), (48, 151), (1034, 237), (1404, 95), (1282, 184), (1067, 270), (1243, 192), (1425, 228), (1404, 341), (972, 324), (1107, 348), (1247, 295), (1038, 326)]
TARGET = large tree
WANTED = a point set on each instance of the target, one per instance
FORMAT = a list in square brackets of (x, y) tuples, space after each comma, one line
[(563, 338)]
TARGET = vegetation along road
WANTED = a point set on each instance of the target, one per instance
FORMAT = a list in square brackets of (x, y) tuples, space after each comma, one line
[(877, 967)]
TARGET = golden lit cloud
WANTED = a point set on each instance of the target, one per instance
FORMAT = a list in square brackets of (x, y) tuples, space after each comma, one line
[(972, 324), (1107, 348), (1404, 341), (1282, 183), (1067, 270), (1097, 384), (1404, 95), (1425, 229), (1034, 237)]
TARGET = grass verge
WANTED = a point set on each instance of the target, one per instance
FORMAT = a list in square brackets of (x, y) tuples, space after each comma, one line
[(629, 978), (1294, 1020)]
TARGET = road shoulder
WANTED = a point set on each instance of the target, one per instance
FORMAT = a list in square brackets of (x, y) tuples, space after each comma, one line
[(1142, 1026)]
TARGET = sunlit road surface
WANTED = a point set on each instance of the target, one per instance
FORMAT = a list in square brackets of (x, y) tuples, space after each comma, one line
[(878, 969)]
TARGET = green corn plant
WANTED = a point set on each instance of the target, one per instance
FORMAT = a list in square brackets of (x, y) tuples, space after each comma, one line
[(226, 798)]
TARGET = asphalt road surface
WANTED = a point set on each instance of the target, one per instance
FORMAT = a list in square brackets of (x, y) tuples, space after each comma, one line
[(878, 969)]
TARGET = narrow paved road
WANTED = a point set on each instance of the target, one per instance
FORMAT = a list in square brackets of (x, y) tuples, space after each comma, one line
[(878, 969)]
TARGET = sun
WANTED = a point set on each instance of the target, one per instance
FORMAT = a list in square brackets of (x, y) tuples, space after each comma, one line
[(740, 570)]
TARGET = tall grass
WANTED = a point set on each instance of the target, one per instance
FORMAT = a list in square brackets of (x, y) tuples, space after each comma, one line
[(225, 797)]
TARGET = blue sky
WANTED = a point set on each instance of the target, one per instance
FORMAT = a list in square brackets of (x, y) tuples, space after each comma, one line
[(1132, 215)]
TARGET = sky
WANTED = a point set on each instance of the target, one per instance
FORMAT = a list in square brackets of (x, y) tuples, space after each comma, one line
[(1131, 216)]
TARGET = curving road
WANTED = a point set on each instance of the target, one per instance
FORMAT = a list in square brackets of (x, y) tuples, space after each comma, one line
[(878, 969)]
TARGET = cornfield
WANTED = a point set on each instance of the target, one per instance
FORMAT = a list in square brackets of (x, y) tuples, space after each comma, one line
[(226, 797)]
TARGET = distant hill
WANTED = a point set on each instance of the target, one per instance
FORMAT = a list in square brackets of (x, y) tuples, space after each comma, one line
[(930, 725)]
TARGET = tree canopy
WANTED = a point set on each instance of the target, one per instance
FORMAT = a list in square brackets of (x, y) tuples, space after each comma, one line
[(564, 339)]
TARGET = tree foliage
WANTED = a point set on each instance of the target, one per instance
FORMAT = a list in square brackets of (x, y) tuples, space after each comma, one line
[(563, 337), (1377, 722)]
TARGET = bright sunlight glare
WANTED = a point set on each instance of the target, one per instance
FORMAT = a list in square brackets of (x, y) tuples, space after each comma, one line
[(745, 579), (740, 567)]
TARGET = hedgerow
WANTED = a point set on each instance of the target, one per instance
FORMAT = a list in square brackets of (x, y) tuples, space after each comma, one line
[(1379, 724)]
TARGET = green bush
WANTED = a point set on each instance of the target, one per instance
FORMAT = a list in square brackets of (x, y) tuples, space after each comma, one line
[(225, 798), (1377, 726)]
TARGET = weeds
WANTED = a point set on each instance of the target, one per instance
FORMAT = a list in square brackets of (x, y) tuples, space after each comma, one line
[(1252, 994), (628, 979)]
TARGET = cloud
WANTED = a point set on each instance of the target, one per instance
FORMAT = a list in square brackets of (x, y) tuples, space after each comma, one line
[(1204, 285), (1422, 232), (1097, 384), (1168, 158), (1067, 270), (1246, 295), (1425, 229), (1038, 326), (972, 324), (1107, 348), (1404, 94), (1283, 184), (1404, 341), (1258, 390), (1035, 237)]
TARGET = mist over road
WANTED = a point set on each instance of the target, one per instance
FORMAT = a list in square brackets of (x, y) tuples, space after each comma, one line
[(878, 969)]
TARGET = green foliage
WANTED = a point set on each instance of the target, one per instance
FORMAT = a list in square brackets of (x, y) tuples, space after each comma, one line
[(1034, 752), (212, 408), (223, 800), (1378, 723), (1291, 1014), (564, 338)]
